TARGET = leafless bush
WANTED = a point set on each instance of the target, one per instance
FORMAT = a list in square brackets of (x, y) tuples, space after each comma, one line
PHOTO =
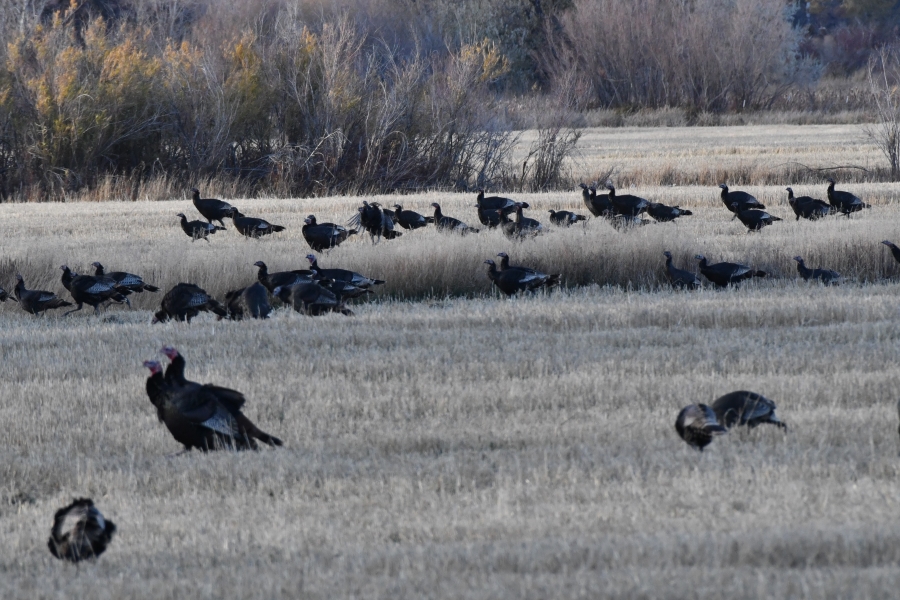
[(883, 78)]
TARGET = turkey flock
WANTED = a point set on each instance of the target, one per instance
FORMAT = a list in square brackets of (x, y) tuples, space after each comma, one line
[(207, 417)]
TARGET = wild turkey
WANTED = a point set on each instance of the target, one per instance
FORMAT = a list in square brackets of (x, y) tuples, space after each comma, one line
[(599, 206), (744, 200), (494, 202), (745, 408), (324, 236), (198, 229), (410, 219), (375, 221), (311, 298), (4, 296), (252, 226), (753, 219), (251, 301), (212, 209), (523, 227), (844, 202), (808, 207), (80, 532), (724, 273), (449, 224), (625, 223), (344, 289), (205, 417), (895, 251), (273, 280), (627, 205), (679, 278), (565, 218), (826, 276), (126, 283), (36, 301), (89, 290), (697, 425), (185, 301), (549, 280), (664, 214), (351, 277), (512, 281)]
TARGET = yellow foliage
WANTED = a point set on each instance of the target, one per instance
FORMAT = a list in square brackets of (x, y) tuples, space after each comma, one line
[(490, 64)]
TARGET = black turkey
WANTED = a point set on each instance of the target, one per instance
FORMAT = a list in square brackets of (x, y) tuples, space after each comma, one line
[(323, 236), (344, 289), (724, 273), (523, 227), (626, 205), (697, 425), (252, 227), (826, 276), (312, 299), (185, 301), (844, 202), (808, 207), (745, 408), (743, 200), (212, 209), (126, 283), (249, 302), (36, 301), (198, 229), (410, 219), (664, 214), (512, 281), (494, 202), (206, 417), (80, 532), (550, 281), (680, 278), (599, 206), (273, 280), (753, 219), (895, 251), (93, 291), (565, 218), (449, 224), (352, 277)]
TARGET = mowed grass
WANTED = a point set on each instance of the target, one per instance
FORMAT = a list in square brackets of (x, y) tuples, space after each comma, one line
[(446, 442)]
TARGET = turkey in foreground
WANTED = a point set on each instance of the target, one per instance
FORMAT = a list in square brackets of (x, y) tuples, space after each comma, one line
[(626, 205), (273, 280), (198, 229), (664, 214), (565, 218), (410, 219), (680, 278), (826, 276), (252, 226), (89, 290), (514, 279), (36, 301), (551, 280), (697, 425), (449, 224), (322, 236), (205, 417), (126, 283), (212, 209), (249, 302), (745, 408), (844, 202), (79, 532), (753, 219), (743, 200), (352, 277), (808, 207), (724, 273), (311, 298), (184, 302), (599, 206)]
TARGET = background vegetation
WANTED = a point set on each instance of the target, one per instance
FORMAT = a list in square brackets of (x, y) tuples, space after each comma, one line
[(294, 98)]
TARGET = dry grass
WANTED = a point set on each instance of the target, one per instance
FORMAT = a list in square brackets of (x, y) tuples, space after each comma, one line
[(465, 446)]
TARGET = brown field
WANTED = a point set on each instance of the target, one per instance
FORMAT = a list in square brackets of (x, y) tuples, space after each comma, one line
[(445, 442)]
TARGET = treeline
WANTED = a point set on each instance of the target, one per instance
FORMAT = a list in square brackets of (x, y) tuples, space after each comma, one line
[(302, 98)]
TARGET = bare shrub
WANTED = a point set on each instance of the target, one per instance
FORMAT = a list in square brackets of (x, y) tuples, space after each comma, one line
[(883, 78)]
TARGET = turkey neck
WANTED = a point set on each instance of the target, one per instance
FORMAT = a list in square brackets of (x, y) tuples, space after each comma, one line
[(802, 269), (175, 371), (504, 263), (67, 278)]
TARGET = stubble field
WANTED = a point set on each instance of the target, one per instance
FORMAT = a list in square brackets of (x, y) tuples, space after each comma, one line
[(445, 442)]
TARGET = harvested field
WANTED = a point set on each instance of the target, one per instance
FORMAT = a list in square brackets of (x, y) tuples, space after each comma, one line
[(445, 442)]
